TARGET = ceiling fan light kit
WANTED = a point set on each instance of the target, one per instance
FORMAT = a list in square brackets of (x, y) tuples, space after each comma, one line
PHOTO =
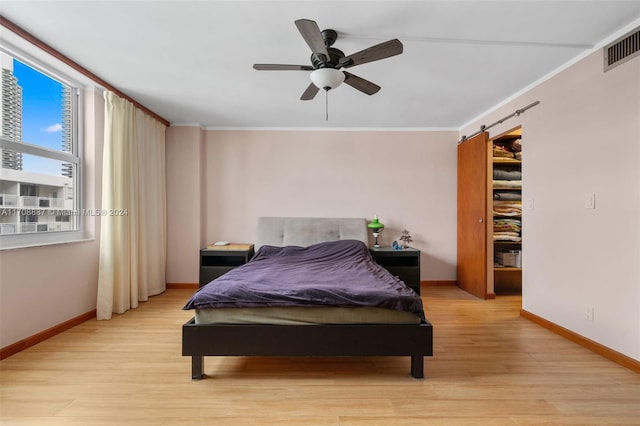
[(327, 78), (327, 62)]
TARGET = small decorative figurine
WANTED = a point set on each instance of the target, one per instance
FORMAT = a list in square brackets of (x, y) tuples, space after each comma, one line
[(405, 238)]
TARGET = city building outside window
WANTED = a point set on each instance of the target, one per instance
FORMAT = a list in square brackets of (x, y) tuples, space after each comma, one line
[(40, 173)]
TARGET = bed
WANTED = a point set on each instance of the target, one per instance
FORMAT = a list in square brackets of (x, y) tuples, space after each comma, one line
[(291, 241)]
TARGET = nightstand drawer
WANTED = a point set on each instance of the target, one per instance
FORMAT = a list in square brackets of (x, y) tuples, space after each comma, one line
[(227, 260)]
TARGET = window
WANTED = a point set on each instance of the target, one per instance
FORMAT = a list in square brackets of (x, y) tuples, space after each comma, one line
[(40, 173)]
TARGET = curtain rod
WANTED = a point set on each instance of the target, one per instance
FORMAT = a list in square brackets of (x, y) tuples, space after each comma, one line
[(53, 52), (514, 114)]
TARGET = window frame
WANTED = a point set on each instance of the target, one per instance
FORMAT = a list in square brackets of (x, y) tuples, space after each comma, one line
[(76, 157)]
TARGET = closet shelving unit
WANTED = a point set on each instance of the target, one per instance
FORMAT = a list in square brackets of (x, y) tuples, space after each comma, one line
[(507, 270)]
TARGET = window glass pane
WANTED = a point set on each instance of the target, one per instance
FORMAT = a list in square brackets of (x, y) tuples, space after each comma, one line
[(46, 109), (45, 166), (38, 198)]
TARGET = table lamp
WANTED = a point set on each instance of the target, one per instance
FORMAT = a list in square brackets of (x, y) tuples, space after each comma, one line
[(376, 228)]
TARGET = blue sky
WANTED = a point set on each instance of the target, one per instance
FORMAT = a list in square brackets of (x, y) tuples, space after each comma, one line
[(41, 115)]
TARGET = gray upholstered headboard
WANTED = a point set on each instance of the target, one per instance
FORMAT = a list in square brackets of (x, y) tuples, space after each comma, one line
[(305, 231)]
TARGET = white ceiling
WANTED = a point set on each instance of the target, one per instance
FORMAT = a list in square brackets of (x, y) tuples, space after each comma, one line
[(191, 61)]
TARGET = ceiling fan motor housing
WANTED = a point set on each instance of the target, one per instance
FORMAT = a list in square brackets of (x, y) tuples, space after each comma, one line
[(321, 61)]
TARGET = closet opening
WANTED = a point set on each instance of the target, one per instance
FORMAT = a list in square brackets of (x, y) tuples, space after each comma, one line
[(504, 247)]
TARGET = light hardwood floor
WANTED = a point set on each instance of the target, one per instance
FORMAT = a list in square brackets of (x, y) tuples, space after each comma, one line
[(490, 367)]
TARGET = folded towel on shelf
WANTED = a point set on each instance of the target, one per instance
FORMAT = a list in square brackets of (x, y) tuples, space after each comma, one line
[(501, 152), (507, 208), (507, 195), (502, 236), (507, 184), (507, 225), (504, 174)]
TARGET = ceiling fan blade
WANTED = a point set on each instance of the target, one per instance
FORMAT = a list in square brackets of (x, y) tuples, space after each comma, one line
[(280, 67), (311, 34), (365, 86), (373, 53), (310, 93)]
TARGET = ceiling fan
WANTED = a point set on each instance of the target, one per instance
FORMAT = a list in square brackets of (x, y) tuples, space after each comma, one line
[(327, 62)]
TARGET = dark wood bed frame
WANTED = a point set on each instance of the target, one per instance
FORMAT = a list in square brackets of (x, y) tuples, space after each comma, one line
[(414, 340), (200, 340)]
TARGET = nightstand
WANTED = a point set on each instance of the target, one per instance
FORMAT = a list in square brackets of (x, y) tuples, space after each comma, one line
[(218, 260), (405, 264)]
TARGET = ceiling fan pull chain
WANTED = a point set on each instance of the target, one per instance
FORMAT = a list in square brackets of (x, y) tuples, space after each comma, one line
[(326, 105)]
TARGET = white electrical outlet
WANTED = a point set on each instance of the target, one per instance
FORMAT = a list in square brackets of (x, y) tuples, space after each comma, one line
[(590, 313), (590, 201)]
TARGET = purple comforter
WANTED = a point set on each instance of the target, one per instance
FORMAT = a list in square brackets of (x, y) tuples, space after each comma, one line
[(337, 273)]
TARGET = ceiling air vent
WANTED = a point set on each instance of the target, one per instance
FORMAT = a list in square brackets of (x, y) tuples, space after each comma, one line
[(622, 50)]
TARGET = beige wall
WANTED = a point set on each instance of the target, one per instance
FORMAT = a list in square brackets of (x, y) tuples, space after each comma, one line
[(583, 138), (45, 286), (185, 187), (407, 178)]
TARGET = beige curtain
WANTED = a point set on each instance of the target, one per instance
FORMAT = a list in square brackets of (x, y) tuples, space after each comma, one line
[(133, 228)]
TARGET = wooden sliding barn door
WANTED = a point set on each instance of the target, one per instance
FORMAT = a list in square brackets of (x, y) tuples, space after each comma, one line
[(472, 215)]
